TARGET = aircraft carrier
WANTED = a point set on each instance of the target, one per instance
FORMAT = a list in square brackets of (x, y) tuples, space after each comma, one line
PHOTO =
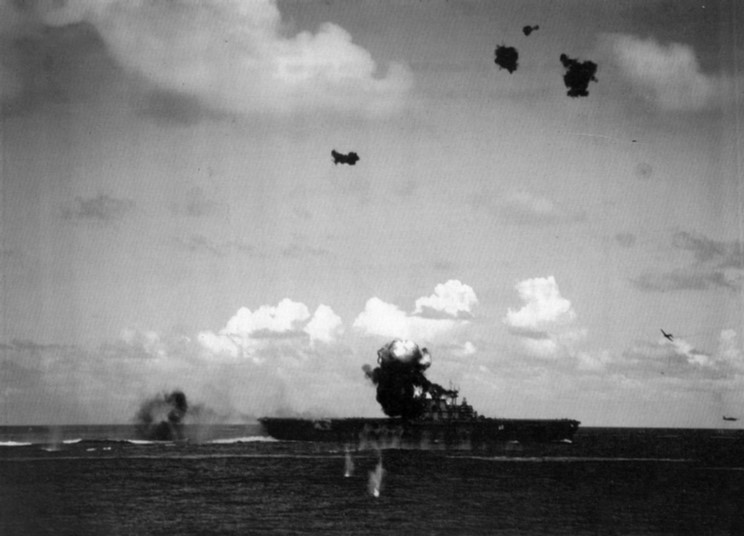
[(420, 413), (446, 423)]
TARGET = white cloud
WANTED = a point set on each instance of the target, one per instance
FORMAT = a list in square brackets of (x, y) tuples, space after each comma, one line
[(248, 332), (234, 55), (593, 361), (545, 323), (387, 320), (468, 349), (220, 344), (728, 349), (685, 349), (544, 307), (450, 301), (452, 298), (325, 325), (728, 356), (149, 341), (669, 74), (280, 319)]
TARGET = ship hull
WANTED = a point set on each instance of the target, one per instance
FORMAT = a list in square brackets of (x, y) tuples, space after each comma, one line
[(390, 432)]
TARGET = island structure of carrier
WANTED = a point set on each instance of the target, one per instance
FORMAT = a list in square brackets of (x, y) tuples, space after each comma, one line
[(419, 413)]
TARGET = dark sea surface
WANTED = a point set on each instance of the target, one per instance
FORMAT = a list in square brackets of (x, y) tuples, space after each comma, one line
[(101, 480)]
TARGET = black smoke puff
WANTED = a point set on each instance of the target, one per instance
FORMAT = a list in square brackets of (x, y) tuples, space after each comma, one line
[(402, 388), (578, 75), (507, 58)]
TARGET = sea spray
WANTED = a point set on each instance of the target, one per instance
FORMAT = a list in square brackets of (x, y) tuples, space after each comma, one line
[(348, 464), (375, 479)]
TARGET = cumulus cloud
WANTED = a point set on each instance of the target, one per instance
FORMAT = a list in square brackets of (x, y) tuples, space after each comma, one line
[(149, 341), (452, 298), (545, 323), (232, 55), (544, 308), (325, 325), (668, 74), (387, 320), (248, 332), (449, 302)]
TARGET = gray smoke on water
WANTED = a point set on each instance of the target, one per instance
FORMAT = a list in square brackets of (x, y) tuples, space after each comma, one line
[(165, 417)]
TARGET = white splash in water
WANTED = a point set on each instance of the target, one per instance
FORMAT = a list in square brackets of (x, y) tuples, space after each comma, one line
[(375, 479), (349, 465)]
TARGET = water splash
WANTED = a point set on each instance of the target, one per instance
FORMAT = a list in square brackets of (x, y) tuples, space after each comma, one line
[(375, 479), (348, 464)]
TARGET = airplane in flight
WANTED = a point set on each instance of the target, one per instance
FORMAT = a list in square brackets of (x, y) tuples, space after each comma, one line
[(730, 418), (667, 335), (340, 158)]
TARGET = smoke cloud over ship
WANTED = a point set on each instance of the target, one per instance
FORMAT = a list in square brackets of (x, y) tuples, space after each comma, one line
[(161, 418), (402, 387)]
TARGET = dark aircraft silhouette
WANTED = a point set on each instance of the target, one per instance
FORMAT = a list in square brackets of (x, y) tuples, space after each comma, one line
[(730, 418), (340, 158), (527, 30), (667, 335)]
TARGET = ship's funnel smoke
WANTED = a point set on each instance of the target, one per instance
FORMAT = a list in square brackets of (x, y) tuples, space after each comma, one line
[(161, 417), (402, 388)]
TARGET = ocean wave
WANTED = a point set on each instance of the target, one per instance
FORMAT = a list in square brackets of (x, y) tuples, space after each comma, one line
[(15, 444), (72, 441), (248, 439), (539, 459)]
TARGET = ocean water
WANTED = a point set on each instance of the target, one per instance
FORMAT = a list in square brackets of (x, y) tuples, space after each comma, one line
[(234, 480)]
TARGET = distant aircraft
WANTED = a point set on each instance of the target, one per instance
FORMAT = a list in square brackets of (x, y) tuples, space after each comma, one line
[(527, 30), (340, 158), (730, 418), (667, 335)]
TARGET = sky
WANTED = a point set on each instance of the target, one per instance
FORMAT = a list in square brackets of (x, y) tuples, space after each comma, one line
[(171, 216)]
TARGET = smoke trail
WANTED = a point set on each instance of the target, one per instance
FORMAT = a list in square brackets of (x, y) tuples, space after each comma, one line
[(402, 388), (161, 417)]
